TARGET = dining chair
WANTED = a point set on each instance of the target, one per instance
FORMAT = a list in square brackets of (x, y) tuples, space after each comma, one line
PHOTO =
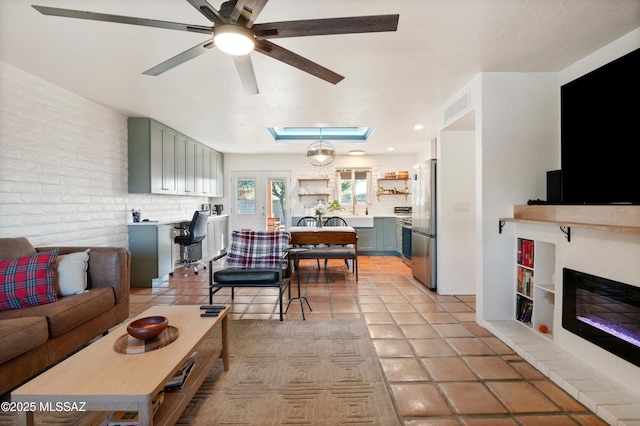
[(335, 221), (310, 222)]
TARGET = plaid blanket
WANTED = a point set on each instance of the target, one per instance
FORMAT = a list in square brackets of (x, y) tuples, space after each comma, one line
[(257, 249)]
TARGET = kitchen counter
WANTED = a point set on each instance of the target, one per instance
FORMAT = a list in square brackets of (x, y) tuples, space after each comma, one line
[(173, 222)]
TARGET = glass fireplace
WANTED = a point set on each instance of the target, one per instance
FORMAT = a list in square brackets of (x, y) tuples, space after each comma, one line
[(604, 312)]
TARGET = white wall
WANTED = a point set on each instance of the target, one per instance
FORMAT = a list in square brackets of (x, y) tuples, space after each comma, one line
[(456, 231), (300, 168), (519, 144), (514, 118), (63, 168)]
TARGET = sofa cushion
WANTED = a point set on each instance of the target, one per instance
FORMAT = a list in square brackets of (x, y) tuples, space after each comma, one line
[(72, 273), (15, 247), (20, 335), (27, 281), (70, 311)]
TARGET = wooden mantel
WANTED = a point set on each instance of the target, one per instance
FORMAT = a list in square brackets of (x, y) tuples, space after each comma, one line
[(608, 218)]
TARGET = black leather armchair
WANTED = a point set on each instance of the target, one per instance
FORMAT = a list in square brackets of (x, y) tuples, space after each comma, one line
[(254, 259)]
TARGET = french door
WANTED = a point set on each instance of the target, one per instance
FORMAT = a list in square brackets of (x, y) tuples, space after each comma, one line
[(259, 198)]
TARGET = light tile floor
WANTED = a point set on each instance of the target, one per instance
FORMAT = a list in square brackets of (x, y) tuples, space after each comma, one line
[(440, 366)]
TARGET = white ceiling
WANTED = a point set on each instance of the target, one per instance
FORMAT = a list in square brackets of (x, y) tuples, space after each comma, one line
[(393, 80)]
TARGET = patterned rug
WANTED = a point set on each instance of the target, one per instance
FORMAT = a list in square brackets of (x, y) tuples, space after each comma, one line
[(314, 372)]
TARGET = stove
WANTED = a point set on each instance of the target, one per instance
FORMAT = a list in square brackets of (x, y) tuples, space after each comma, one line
[(403, 217)]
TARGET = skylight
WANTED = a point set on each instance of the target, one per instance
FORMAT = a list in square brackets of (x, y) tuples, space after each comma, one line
[(350, 134)]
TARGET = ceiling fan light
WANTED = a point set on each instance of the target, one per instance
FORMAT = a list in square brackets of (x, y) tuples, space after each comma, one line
[(233, 39)]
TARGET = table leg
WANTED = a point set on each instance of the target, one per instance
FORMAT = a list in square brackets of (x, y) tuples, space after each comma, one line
[(26, 418), (144, 414), (300, 298), (225, 343)]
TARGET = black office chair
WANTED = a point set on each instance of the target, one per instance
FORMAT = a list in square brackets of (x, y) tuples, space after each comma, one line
[(310, 222), (335, 221), (196, 233)]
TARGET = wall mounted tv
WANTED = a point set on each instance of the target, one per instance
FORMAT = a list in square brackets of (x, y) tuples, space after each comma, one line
[(600, 134)]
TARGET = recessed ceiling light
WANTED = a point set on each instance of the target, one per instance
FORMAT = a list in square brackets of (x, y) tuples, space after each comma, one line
[(418, 127), (390, 148), (356, 152)]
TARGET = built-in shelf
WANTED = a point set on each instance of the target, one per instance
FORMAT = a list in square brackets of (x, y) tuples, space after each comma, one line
[(606, 218), (313, 195), (303, 181), (406, 192), (325, 180)]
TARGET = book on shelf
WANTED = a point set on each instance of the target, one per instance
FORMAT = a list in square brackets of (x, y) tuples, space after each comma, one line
[(179, 379), (525, 281), (124, 418), (131, 418), (525, 310), (526, 252)]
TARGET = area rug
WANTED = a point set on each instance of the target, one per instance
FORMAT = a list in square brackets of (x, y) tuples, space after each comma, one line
[(314, 372)]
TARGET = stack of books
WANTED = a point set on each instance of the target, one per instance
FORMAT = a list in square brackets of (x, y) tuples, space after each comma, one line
[(178, 380), (131, 418)]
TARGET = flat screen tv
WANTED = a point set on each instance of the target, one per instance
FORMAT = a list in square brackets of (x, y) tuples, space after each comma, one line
[(600, 134)]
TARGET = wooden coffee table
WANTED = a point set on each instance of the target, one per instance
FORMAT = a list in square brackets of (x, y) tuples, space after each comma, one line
[(98, 378)]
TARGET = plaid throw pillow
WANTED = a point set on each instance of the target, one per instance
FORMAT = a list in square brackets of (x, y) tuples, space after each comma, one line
[(28, 281), (257, 249)]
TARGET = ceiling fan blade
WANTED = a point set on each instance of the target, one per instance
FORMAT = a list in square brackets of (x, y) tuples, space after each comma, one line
[(280, 53), (68, 13), (181, 58), (313, 27), (247, 76), (249, 10), (207, 10)]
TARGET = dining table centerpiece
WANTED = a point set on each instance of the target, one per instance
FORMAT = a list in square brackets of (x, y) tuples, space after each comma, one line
[(320, 210)]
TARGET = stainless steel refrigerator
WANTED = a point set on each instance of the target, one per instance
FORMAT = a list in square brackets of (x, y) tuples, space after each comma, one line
[(424, 230)]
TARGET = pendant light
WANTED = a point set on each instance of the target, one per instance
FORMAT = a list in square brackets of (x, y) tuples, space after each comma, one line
[(321, 153)]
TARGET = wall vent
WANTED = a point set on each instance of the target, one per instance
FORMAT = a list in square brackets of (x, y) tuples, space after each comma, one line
[(456, 108)]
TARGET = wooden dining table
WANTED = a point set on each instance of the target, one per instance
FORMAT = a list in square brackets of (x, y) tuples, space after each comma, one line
[(307, 235), (328, 242)]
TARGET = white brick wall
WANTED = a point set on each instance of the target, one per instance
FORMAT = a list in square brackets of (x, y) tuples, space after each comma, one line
[(63, 168)]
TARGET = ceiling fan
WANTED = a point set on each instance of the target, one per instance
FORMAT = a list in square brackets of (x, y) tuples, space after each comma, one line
[(234, 25)]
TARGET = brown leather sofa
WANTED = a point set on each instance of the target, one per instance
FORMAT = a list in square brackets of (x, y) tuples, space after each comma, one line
[(35, 337)]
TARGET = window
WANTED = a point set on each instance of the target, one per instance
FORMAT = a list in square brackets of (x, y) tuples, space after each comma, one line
[(354, 185), (246, 196)]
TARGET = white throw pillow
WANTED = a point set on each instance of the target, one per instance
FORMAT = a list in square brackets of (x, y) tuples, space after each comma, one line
[(72, 273)]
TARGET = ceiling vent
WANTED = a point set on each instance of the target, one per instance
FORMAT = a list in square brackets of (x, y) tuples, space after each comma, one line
[(456, 108)]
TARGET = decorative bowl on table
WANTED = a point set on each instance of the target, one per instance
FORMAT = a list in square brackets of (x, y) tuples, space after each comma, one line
[(148, 327)]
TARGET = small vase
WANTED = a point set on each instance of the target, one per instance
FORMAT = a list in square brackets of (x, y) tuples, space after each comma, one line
[(319, 222)]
